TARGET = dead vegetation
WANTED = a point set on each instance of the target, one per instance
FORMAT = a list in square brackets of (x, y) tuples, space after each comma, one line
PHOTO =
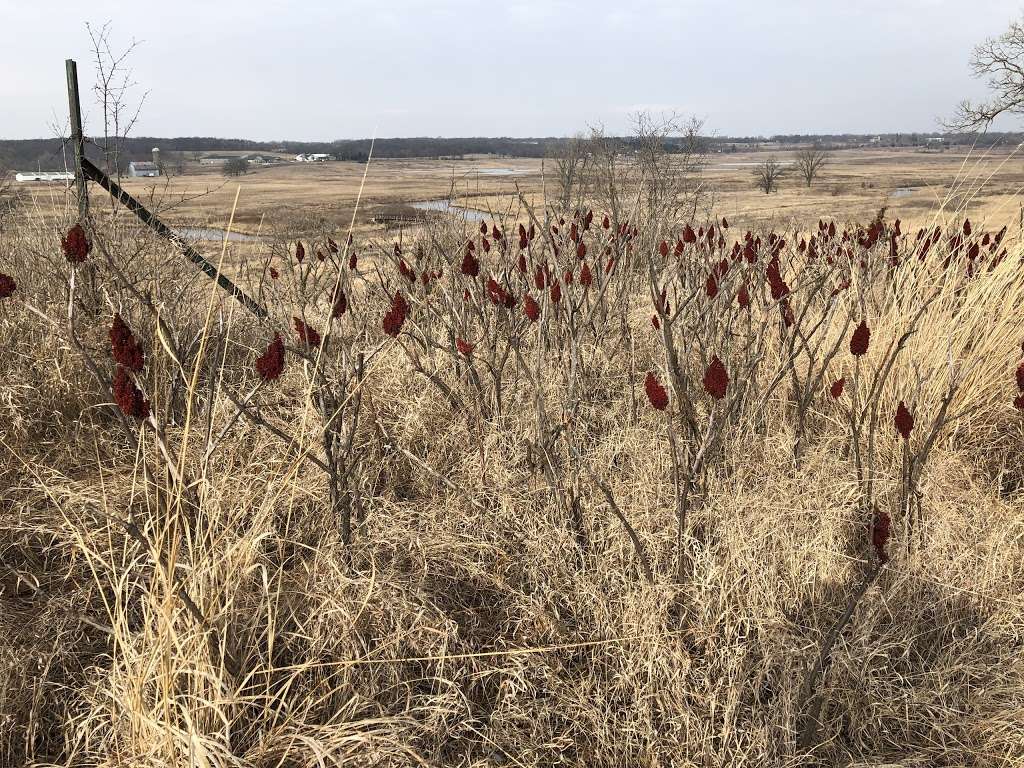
[(432, 512)]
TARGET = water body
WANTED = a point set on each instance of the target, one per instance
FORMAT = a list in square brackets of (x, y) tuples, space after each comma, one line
[(904, 191), (206, 233), (445, 206), (501, 171), (737, 165)]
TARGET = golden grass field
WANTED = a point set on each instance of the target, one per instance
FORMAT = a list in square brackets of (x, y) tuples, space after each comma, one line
[(914, 185), (443, 531)]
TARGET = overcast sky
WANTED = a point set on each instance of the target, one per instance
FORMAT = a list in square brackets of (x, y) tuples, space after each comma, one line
[(320, 70)]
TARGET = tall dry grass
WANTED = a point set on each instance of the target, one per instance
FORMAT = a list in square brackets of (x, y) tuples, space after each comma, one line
[(478, 617)]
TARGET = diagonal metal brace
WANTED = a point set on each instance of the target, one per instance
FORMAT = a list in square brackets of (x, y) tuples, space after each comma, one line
[(150, 219)]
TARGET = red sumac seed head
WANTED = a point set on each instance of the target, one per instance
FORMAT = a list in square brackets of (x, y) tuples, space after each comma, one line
[(860, 339), (655, 392), (270, 364), (716, 380), (903, 420)]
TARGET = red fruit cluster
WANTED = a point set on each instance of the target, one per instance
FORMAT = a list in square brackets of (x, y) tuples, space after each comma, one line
[(76, 245), (464, 346), (586, 277), (716, 380), (124, 347), (655, 392), (128, 397), (836, 390), (7, 286), (540, 276), (270, 364), (903, 420), (306, 333), (531, 308), (556, 292), (743, 297), (395, 317), (470, 265), (778, 286), (711, 287), (880, 530), (300, 251), (860, 339), (340, 303)]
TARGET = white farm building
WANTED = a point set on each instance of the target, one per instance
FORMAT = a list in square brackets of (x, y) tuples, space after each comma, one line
[(44, 176), (143, 168)]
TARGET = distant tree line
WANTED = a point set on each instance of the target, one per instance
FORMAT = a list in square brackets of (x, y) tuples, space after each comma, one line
[(27, 154)]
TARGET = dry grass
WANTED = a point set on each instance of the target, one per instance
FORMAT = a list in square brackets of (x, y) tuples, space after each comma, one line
[(465, 625), (984, 184)]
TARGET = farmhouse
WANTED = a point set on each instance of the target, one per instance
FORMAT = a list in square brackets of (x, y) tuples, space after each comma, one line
[(316, 157), (140, 168)]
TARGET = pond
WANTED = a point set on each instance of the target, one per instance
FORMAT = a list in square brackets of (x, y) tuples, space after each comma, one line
[(904, 191), (738, 165), (445, 206), (501, 171), (207, 233)]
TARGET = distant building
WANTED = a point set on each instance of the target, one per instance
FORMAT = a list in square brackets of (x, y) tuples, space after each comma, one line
[(316, 157), (214, 160), (44, 176), (935, 140), (256, 160), (140, 168), (876, 139)]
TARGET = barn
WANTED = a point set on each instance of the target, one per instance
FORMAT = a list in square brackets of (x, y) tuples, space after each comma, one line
[(138, 168)]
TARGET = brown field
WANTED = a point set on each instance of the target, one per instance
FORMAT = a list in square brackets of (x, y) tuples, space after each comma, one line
[(917, 186), (606, 497)]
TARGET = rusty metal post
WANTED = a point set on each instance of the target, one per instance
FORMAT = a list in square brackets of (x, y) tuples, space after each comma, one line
[(77, 139)]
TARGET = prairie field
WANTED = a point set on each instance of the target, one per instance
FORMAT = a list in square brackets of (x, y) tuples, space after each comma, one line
[(913, 184), (597, 486)]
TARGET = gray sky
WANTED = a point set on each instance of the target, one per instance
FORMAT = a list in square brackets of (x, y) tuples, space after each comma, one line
[(318, 70)]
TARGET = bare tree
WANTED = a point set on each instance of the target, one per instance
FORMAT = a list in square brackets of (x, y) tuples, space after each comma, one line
[(809, 161), (571, 161), (112, 91), (1001, 60), (669, 153), (236, 166), (767, 175), (654, 172)]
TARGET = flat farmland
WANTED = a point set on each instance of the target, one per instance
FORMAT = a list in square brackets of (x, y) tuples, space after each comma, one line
[(298, 198)]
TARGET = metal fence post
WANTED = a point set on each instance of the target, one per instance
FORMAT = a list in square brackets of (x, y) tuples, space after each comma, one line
[(77, 140)]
